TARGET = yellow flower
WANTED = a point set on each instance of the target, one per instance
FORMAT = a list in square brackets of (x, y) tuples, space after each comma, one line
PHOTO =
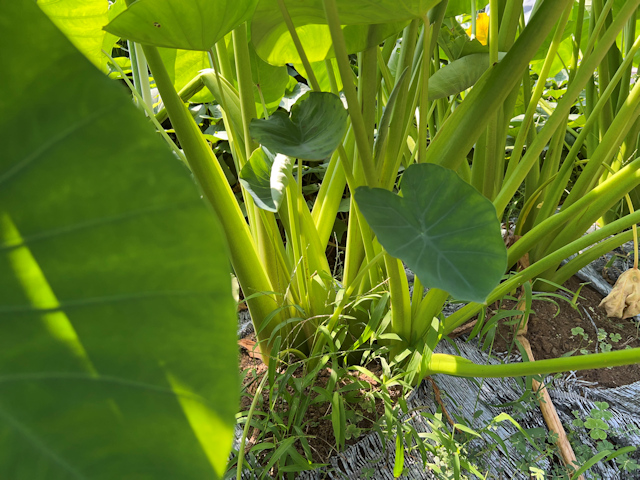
[(482, 28)]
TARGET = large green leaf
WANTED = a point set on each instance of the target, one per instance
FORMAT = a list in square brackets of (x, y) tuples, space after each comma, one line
[(274, 44), (442, 228), (264, 176), (317, 125), (82, 22), (185, 24), (117, 324), (351, 12)]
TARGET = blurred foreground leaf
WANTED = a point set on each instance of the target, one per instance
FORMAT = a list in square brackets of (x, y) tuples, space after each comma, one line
[(117, 324)]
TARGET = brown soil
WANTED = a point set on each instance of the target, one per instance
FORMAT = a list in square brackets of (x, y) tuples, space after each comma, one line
[(317, 426), (550, 335)]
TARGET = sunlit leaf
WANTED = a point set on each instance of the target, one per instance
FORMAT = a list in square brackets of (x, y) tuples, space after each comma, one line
[(187, 24), (117, 324), (273, 41), (322, 74), (442, 228), (81, 21), (182, 66)]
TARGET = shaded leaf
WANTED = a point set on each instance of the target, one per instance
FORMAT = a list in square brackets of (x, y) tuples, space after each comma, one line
[(442, 228), (316, 127), (458, 75)]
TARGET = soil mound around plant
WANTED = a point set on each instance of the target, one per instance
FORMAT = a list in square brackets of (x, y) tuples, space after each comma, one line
[(558, 328)]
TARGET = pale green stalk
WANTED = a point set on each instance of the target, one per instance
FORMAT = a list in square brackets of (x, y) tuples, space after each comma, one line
[(569, 269), (140, 74), (401, 323), (465, 125), (349, 89), (585, 72), (601, 197), (424, 94), (224, 62), (554, 193), (298, 44), (148, 110), (537, 93), (264, 226), (210, 177), (461, 367), (388, 169), (429, 308)]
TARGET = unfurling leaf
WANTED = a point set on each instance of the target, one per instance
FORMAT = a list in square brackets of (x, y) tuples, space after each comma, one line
[(624, 299)]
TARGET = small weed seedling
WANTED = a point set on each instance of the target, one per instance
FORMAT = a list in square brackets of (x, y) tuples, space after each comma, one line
[(597, 426)]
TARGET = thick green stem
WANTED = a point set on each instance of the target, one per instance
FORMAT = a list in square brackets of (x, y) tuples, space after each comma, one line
[(456, 137), (400, 301), (461, 367), (210, 177), (585, 72), (357, 120), (424, 93), (430, 307), (601, 197), (537, 93)]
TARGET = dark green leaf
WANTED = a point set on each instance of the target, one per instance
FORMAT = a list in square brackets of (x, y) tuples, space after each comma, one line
[(442, 228), (117, 324), (316, 127)]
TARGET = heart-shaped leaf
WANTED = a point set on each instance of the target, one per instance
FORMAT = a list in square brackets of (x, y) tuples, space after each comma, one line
[(117, 325), (316, 127), (264, 176), (442, 228), (185, 24)]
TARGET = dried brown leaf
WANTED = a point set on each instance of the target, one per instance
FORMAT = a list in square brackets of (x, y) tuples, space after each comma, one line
[(624, 299)]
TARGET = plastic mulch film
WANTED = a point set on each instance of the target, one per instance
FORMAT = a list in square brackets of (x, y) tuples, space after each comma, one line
[(486, 399), (467, 397)]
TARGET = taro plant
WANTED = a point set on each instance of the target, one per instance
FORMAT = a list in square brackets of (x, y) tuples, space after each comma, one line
[(403, 115), (440, 226)]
